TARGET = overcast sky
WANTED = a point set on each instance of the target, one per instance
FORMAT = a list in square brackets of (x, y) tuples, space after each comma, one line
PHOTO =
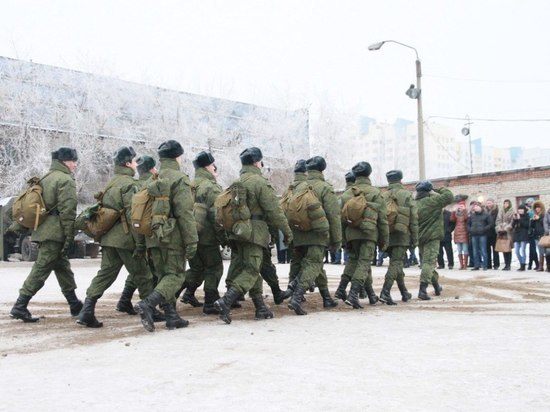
[(486, 59)]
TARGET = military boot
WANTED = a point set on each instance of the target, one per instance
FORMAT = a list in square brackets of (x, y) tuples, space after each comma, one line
[(362, 292), (422, 293), (86, 317), (437, 287), (341, 290), (173, 320), (158, 316), (225, 304), (189, 297), (290, 289), (262, 311), (146, 309), (373, 299), (125, 302), (75, 304), (353, 295), (20, 311), (405, 295), (278, 294), (385, 294), (297, 297), (328, 302), (209, 299)]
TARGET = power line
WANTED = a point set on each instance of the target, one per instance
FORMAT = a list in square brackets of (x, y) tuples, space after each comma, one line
[(488, 80), (486, 119)]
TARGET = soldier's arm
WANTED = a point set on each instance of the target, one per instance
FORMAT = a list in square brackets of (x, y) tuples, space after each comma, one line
[(445, 197), (66, 205), (182, 209), (333, 211), (414, 223), (268, 202), (382, 224)]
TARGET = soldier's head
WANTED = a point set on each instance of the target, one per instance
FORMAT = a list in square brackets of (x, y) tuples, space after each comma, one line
[(425, 186), (316, 163), (145, 164), (206, 160), (300, 166), (362, 169), (66, 155), (252, 156), (125, 156), (394, 176), (350, 177), (170, 149)]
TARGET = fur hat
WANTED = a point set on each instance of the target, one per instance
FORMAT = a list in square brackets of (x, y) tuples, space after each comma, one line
[(124, 155), (424, 186), (250, 156), (145, 163), (203, 159), (394, 176), (362, 169), (300, 166), (170, 149), (316, 163), (350, 177), (65, 154)]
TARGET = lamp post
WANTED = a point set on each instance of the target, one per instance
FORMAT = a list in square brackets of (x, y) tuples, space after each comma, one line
[(413, 93)]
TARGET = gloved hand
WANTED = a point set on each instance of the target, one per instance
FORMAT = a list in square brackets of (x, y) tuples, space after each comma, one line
[(333, 248), (67, 246), (139, 251), (190, 250)]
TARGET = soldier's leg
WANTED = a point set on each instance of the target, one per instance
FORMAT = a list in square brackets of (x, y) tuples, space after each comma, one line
[(140, 272), (194, 276), (394, 272), (295, 262), (269, 273), (48, 254), (65, 278), (212, 276), (322, 283), (362, 275), (429, 255), (312, 266), (111, 263)]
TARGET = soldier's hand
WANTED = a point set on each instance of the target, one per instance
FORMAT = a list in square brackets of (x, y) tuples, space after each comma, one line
[(67, 247), (190, 250)]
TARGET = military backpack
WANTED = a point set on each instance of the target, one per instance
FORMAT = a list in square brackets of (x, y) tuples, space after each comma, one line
[(398, 216), (232, 212), (29, 209), (359, 212), (304, 211)]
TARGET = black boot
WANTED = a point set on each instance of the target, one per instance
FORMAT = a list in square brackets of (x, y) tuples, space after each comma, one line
[(209, 299), (437, 287), (353, 295), (20, 311), (146, 309), (278, 294), (189, 297), (290, 290), (75, 304), (341, 290), (297, 297), (521, 267), (422, 293), (362, 292), (547, 263), (405, 295), (225, 304), (262, 311), (373, 299), (385, 295), (86, 317), (158, 316), (328, 302), (173, 320), (125, 302)]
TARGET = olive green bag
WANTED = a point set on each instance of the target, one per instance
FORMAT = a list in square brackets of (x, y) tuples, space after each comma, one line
[(232, 212), (305, 212)]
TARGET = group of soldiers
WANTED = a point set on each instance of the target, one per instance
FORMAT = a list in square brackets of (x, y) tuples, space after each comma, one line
[(157, 268)]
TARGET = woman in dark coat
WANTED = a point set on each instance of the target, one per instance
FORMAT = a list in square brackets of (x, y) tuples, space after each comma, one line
[(520, 234)]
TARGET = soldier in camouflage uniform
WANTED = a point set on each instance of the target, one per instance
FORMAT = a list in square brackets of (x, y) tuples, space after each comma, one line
[(145, 168), (363, 243), (169, 255), (400, 241), (430, 232), (207, 264), (309, 247), (55, 235), (247, 255), (120, 246)]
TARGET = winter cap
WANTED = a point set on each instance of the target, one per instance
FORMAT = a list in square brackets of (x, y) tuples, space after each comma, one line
[(124, 155), (65, 154), (203, 159), (424, 186), (145, 163), (394, 176), (362, 169), (250, 156), (316, 163), (300, 166), (350, 177), (170, 149), (462, 203)]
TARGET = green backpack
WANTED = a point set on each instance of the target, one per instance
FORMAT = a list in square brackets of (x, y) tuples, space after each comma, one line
[(29, 209), (359, 212), (305, 212), (232, 212)]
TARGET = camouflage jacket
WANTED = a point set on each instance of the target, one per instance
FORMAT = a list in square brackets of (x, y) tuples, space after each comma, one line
[(404, 198), (325, 193), (143, 177), (205, 190), (430, 214), (59, 193)]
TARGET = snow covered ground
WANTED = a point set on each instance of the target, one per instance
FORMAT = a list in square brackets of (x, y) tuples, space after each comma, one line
[(482, 345)]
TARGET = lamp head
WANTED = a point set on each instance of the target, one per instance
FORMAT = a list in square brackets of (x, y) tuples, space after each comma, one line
[(412, 92), (376, 46)]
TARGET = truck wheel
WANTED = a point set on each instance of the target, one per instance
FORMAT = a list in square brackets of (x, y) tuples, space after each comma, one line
[(29, 250)]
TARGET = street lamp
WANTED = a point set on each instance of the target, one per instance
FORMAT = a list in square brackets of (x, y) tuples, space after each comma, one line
[(413, 93)]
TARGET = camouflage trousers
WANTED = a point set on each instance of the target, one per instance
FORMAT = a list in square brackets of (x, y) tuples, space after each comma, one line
[(170, 270), (244, 270), (359, 262), (395, 269), (428, 254), (206, 266)]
